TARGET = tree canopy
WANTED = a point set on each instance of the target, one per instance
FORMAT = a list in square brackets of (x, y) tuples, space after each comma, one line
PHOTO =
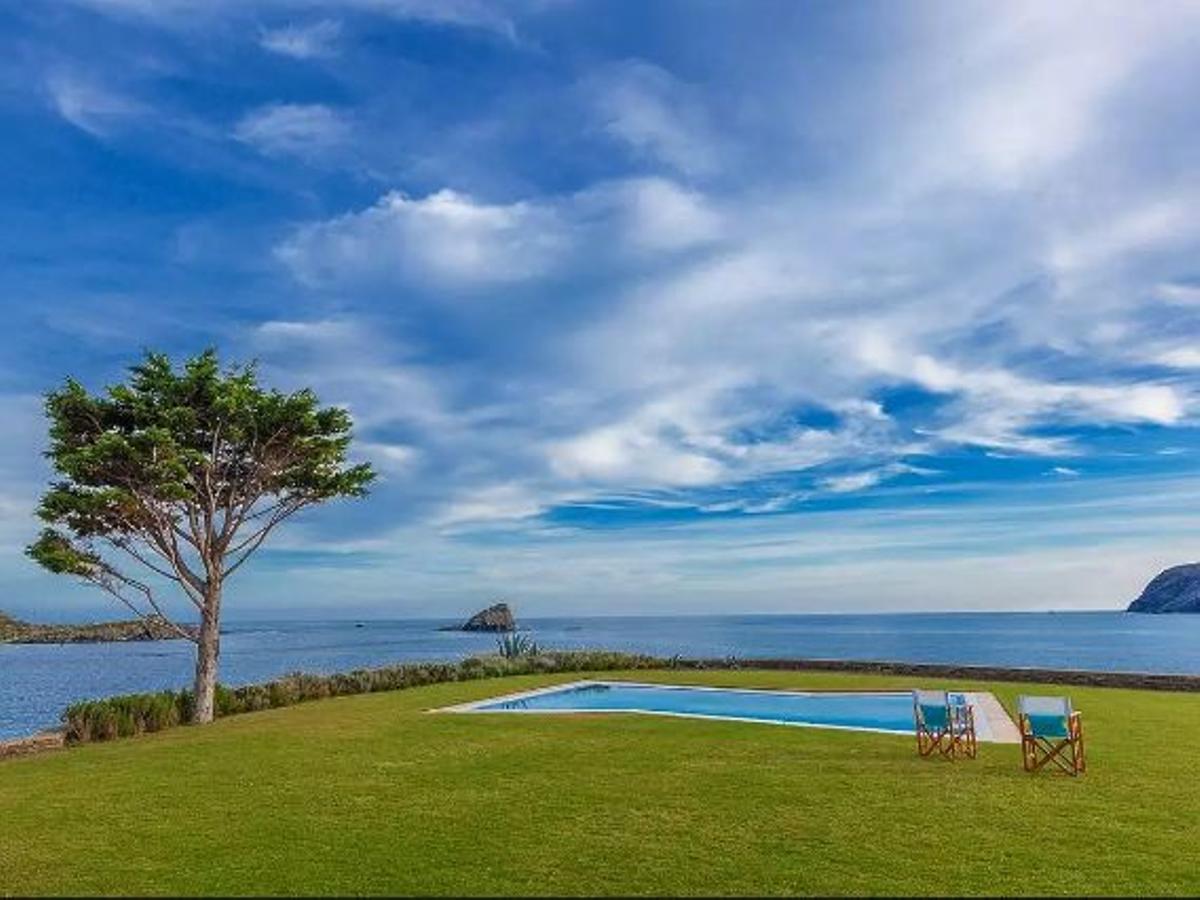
[(183, 474)]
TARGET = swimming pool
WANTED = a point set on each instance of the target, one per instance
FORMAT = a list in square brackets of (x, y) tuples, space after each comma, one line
[(887, 712)]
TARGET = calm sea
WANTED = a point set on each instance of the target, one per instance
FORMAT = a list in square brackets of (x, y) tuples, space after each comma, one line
[(38, 681)]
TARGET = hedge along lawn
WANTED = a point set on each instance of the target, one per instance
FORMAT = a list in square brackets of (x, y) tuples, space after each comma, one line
[(369, 794)]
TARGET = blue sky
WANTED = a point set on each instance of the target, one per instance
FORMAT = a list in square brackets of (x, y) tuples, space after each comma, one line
[(639, 307)]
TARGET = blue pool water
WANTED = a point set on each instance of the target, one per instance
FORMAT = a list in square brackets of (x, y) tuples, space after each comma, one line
[(881, 712)]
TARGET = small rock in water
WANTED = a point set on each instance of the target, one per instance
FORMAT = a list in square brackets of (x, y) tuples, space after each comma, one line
[(497, 617)]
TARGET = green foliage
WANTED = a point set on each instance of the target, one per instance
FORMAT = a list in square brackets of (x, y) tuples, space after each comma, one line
[(103, 720), (158, 431), (55, 552), (180, 440), (515, 644)]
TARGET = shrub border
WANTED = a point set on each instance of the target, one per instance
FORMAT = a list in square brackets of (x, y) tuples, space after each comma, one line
[(131, 714)]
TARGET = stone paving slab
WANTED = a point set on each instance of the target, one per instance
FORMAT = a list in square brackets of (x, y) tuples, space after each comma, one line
[(992, 719)]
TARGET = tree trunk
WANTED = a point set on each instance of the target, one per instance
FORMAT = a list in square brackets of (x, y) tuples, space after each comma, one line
[(208, 650)]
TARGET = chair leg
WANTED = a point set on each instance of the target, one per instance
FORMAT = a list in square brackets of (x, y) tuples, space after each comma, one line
[(970, 743), (1064, 755), (1077, 734), (929, 742)]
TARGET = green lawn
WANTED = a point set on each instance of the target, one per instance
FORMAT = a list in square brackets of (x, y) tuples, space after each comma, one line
[(368, 794)]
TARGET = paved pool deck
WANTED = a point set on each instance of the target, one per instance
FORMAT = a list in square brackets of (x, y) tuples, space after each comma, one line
[(993, 724)]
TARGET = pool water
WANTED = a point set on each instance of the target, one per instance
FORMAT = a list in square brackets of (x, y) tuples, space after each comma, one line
[(891, 712)]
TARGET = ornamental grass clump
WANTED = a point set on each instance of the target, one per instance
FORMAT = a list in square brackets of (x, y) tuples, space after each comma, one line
[(515, 645), (102, 720)]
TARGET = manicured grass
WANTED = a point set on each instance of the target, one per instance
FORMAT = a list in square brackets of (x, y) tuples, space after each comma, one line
[(368, 794)]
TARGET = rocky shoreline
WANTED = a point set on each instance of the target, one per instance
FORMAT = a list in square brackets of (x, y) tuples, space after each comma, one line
[(14, 631), (34, 743), (1142, 681)]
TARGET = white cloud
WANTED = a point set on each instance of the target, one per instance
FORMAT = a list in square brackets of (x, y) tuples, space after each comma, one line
[(306, 131), (482, 14), (843, 484), (654, 114), (998, 405), (445, 237), (659, 215), (316, 40), (356, 368), (632, 455), (1150, 227), (89, 106), (1180, 357), (451, 238), (23, 469), (314, 334), (1179, 294), (861, 481), (391, 459), (473, 14), (1028, 86), (496, 503)]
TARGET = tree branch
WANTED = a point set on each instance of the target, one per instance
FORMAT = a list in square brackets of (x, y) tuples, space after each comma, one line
[(108, 579), (252, 543), (127, 547), (164, 539)]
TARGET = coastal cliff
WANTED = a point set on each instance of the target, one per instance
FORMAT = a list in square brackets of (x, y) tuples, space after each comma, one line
[(1174, 590), (14, 631)]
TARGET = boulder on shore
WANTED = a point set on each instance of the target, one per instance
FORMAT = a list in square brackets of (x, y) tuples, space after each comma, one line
[(1174, 590), (497, 617)]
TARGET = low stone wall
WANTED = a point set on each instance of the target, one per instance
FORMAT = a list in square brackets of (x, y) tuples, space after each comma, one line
[(35, 743), (1136, 680)]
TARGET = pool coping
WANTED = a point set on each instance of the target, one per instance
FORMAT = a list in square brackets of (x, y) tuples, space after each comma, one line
[(993, 724)]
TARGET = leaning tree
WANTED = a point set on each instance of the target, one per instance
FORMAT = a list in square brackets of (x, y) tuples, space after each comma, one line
[(175, 478)]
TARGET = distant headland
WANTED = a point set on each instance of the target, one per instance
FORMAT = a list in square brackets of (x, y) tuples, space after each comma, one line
[(14, 631), (1174, 590)]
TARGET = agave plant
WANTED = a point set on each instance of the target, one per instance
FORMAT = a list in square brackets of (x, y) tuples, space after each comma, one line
[(514, 645)]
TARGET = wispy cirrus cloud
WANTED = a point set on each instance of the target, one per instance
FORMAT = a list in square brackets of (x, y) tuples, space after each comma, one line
[(314, 40), (472, 14), (308, 131), (654, 115), (91, 106)]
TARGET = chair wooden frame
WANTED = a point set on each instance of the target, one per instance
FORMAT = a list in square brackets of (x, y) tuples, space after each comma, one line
[(1065, 752), (951, 739)]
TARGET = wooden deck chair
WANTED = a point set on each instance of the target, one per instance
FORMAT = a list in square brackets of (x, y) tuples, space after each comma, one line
[(943, 726), (1051, 732)]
